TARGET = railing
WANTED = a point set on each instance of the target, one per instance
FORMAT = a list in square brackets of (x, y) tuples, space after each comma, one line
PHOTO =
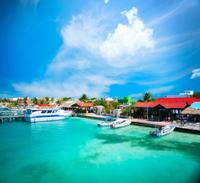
[(10, 115)]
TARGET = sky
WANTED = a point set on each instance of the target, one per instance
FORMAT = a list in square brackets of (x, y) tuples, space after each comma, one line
[(64, 48)]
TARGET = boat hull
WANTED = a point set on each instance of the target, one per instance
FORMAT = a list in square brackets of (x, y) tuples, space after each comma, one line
[(163, 132), (40, 119), (105, 124), (120, 124)]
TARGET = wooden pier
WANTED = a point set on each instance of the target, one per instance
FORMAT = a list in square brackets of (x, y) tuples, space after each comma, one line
[(11, 118)]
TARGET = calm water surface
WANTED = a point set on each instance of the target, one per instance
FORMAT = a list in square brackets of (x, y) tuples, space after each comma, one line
[(76, 150)]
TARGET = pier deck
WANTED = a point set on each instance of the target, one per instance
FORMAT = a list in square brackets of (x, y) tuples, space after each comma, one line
[(187, 128), (11, 118)]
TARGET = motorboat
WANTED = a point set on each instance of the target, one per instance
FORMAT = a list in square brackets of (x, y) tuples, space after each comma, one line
[(37, 115), (120, 122), (108, 120), (161, 131)]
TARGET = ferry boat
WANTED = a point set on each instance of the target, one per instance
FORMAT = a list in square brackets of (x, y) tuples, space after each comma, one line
[(163, 131), (120, 122), (37, 115)]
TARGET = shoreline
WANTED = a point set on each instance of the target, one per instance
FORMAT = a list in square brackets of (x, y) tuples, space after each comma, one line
[(145, 123)]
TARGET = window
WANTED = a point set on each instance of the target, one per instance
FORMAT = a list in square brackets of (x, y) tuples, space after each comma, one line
[(43, 112)]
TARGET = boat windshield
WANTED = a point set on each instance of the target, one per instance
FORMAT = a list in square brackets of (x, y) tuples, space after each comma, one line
[(29, 111)]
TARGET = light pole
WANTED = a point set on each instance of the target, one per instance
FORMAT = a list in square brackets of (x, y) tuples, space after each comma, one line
[(147, 112)]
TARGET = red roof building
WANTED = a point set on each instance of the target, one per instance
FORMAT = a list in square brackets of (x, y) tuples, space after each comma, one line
[(163, 108), (168, 103), (187, 100), (146, 104), (84, 104)]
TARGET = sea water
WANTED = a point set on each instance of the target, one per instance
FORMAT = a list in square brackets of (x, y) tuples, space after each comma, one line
[(75, 150)]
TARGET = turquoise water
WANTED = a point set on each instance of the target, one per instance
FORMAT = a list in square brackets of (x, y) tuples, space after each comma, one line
[(76, 150)]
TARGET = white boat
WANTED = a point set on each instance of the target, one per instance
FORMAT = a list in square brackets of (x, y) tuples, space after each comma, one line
[(161, 131), (108, 120), (36, 115), (120, 122)]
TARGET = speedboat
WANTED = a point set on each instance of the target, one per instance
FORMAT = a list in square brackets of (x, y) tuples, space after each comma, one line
[(36, 115), (161, 131), (108, 120), (120, 122)]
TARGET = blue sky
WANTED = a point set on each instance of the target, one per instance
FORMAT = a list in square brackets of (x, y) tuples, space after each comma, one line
[(102, 48)]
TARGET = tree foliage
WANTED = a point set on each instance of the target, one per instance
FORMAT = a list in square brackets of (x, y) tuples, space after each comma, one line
[(197, 94), (147, 97), (84, 98)]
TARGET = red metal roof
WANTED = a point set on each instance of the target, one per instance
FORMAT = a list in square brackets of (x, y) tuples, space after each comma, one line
[(188, 100), (45, 105), (168, 103), (174, 105)]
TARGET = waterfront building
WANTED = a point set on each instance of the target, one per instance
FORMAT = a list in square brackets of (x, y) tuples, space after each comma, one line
[(28, 101), (192, 113), (99, 109), (20, 102), (117, 112), (68, 105), (83, 107), (164, 109)]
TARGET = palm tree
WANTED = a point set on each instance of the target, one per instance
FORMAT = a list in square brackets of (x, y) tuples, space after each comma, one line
[(47, 100), (147, 97), (83, 98), (35, 100)]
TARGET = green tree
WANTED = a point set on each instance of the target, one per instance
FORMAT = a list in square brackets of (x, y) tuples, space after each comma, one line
[(197, 94), (59, 101), (83, 98), (35, 100), (147, 97), (12, 104), (126, 111), (65, 98), (47, 100)]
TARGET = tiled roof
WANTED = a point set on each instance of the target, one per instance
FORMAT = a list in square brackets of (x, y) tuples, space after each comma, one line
[(191, 111), (146, 104), (84, 104)]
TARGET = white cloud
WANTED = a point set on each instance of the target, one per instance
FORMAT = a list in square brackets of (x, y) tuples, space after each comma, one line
[(161, 90), (92, 85), (154, 91), (127, 40), (83, 32), (180, 7), (90, 58), (106, 1), (30, 2), (195, 73)]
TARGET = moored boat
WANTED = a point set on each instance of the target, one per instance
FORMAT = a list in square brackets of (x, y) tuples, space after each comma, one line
[(120, 122), (108, 120), (37, 115), (161, 131)]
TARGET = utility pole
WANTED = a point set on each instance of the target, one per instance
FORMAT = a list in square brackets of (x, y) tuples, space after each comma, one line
[(147, 112)]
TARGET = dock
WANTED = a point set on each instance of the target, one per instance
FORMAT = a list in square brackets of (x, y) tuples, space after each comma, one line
[(11, 118), (189, 128)]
